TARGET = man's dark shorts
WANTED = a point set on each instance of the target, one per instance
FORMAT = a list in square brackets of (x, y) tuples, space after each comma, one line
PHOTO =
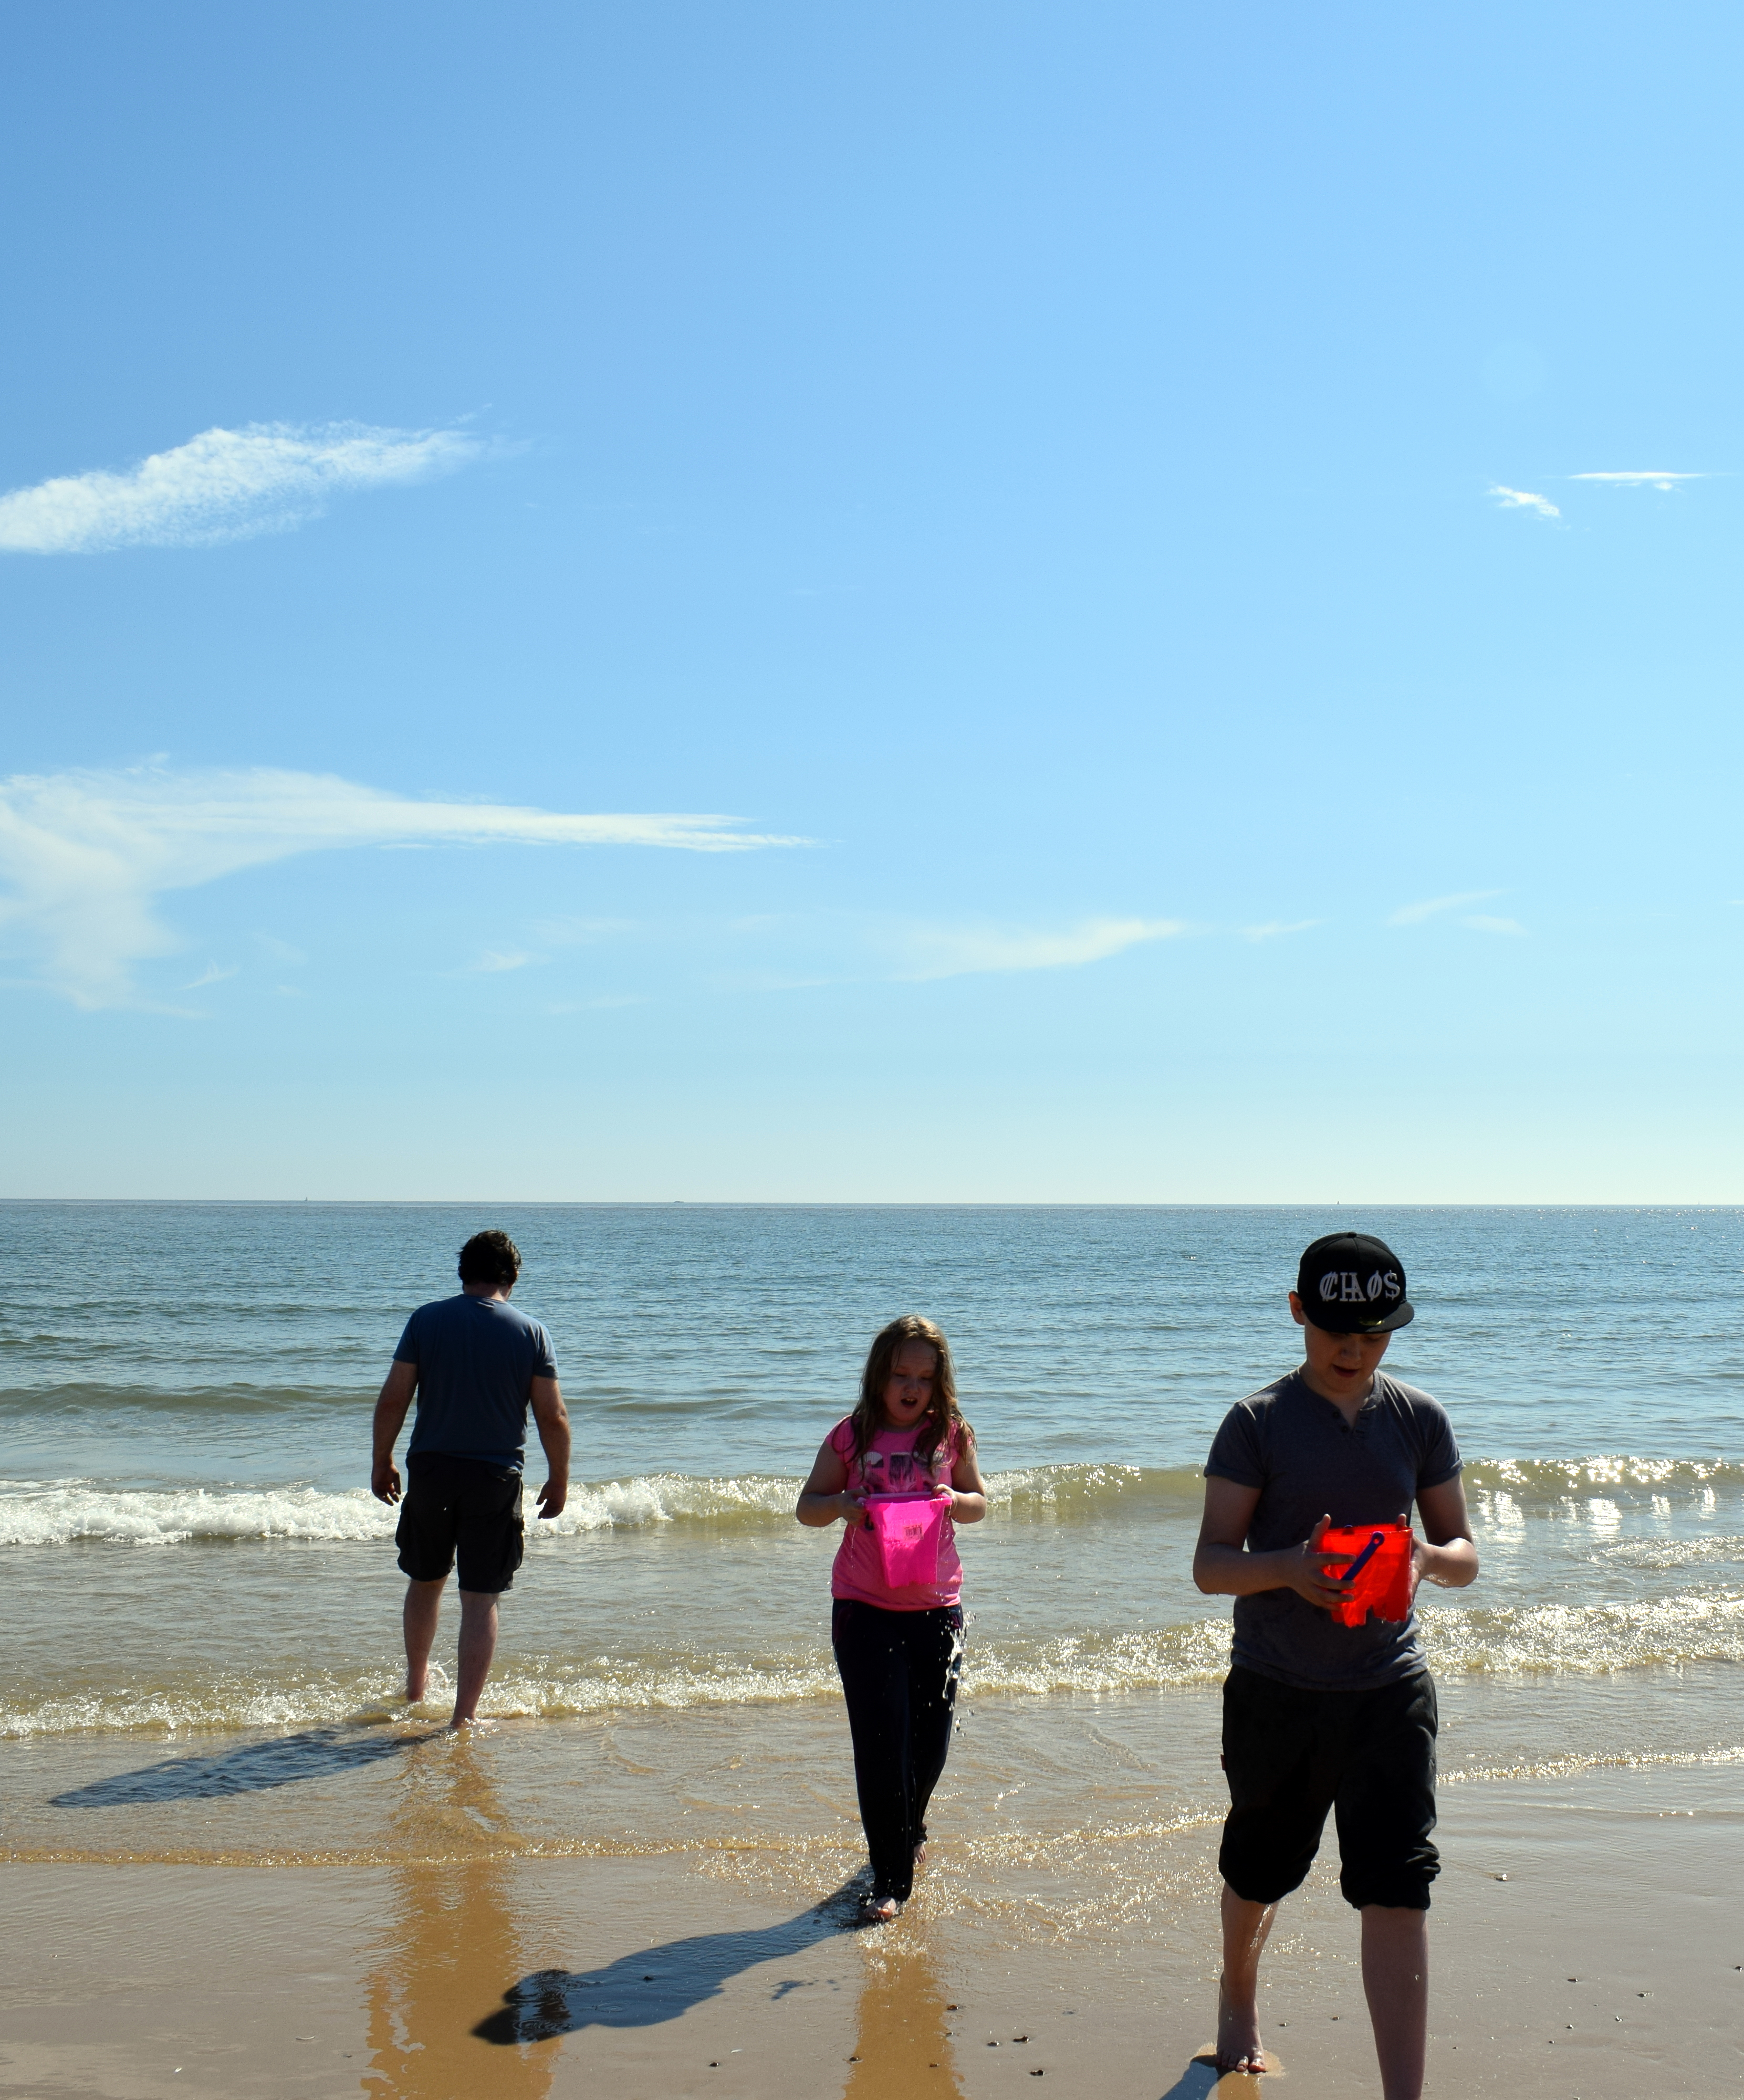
[(1368, 1756), (463, 1508)]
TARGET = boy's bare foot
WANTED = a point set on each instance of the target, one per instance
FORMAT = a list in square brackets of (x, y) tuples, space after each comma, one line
[(1239, 2033)]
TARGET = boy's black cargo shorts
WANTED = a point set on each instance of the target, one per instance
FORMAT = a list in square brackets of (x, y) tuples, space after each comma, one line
[(463, 1508), (1291, 1755)]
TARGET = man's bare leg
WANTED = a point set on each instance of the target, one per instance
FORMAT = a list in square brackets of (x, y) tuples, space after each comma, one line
[(1395, 1983), (477, 1644), (1246, 1927), (423, 1603)]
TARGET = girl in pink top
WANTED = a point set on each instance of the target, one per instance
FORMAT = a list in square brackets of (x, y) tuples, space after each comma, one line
[(899, 1649)]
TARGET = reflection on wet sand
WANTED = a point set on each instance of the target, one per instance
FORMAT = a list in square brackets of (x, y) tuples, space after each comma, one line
[(440, 2025), (439, 1964), (904, 2047)]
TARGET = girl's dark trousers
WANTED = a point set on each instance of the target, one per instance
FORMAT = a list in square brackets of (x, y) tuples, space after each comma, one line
[(899, 1672)]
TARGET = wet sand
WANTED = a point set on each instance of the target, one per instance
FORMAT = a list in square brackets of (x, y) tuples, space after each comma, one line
[(1608, 1961)]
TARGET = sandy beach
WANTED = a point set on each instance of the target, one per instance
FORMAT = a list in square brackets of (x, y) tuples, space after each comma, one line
[(232, 1862), (1586, 1937)]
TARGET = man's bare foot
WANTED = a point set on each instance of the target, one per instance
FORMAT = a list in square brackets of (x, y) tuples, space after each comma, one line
[(878, 1910), (919, 1854), (415, 1688), (1239, 2033)]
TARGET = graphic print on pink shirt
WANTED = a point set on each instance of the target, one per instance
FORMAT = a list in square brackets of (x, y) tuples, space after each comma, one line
[(891, 1468)]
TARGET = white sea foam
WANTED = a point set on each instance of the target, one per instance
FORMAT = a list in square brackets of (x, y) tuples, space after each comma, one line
[(1595, 1492), (60, 1512), (1586, 1640)]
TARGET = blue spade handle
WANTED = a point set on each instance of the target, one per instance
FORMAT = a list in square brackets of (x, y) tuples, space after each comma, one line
[(1363, 1558)]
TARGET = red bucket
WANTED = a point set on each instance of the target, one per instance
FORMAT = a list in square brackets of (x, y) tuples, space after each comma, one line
[(1382, 1585)]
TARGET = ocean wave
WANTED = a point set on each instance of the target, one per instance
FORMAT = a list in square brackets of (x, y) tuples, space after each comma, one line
[(1540, 1480), (1585, 1640), (64, 1512), (1657, 1555), (1505, 1494), (1605, 1639), (60, 1512), (118, 1402)]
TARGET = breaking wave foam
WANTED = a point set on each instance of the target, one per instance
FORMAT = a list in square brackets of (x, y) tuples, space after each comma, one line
[(1503, 1492), (1587, 1640)]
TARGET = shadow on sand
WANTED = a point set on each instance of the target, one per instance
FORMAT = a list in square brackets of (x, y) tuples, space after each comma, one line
[(314, 1754), (658, 1983), (1202, 2078)]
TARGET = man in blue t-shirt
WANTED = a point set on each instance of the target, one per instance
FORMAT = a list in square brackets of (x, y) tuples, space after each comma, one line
[(476, 1364), (1319, 1715)]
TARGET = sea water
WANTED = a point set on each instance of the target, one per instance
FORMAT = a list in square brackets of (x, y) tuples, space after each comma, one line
[(192, 1550)]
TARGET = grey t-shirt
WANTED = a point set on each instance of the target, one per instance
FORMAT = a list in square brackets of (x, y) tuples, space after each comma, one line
[(1296, 1449), (477, 1359)]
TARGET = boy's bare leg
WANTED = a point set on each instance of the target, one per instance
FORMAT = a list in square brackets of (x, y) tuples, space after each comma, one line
[(477, 1644), (423, 1603), (1396, 1982), (1246, 1927)]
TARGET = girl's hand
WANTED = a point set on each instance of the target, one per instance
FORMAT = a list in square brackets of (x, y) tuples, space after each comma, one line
[(853, 1510)]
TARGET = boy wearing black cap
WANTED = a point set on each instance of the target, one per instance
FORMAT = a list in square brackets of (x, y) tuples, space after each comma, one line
[(1317, 1715)]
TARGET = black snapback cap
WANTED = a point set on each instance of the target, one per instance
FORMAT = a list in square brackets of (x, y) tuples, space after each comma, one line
[(1352, 1283)]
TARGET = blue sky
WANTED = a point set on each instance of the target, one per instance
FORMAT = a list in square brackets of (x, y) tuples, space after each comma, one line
[(988, 603)]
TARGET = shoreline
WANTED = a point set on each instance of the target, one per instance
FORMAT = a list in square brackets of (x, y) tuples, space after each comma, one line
[(1584, 1931)]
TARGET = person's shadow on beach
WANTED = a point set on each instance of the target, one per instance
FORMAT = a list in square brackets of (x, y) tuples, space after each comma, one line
[(313, 1754), (658, 1983), (1202, 2078)]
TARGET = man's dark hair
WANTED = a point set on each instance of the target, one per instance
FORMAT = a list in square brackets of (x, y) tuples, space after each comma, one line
[(490, 1258)]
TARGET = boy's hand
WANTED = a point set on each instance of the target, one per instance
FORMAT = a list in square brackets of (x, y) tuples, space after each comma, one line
[(1309, 1573), (1419, 1556)]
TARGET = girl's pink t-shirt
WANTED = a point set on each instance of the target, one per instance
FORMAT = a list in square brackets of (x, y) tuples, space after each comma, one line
[(892, 1468)]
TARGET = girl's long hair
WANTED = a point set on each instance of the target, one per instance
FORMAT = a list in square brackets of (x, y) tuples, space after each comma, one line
[(940, 1418)]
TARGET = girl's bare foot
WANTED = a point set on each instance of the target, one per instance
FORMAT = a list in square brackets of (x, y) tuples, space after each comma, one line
[(1238, 2032)]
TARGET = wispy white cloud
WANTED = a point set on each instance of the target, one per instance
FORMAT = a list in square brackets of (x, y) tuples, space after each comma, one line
[(1523, 499), (223, 485), (1414, 915), (574, 933), (85, 855), (606, 1002), (1481, 923), (211, 975), (1642, 477), (1273, 927), (949, 952), (494, 961)]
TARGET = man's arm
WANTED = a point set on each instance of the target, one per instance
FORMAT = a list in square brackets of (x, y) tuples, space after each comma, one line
[(1222, 1566), (552, 1418), (391, 1404)]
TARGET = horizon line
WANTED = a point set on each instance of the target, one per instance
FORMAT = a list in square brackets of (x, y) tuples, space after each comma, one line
[(868, 1203)]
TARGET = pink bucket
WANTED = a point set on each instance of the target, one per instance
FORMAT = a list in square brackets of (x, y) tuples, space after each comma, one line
[(909, 1529)]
